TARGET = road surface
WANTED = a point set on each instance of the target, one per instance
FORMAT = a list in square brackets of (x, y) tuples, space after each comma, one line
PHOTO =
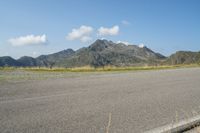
[(123, 102)]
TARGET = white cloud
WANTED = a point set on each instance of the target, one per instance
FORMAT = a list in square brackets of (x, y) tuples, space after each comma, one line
[(126, 43), (125, 22), (83, 34), (28, 40), (141, 45), (102, 38), (102, 31), (34, 53)]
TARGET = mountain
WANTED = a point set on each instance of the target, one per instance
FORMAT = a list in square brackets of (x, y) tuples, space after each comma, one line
[(184, 57), (27, 61), (103, 53), (8, 61), (53, 59)]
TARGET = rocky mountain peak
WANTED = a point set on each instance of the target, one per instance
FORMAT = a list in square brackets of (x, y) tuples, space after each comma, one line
[(100, 45)]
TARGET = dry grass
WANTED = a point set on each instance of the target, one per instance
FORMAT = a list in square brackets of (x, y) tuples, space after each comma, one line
[(109, 123), (98, 69), (198, 129)]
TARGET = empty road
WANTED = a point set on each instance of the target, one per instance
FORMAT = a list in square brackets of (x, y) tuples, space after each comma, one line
[(122, 102)]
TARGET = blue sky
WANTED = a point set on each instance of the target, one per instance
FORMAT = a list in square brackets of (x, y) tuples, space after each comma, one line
[(34, 27)]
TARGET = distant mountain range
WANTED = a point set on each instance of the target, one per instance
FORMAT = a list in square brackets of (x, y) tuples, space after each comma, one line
[(103, 53)]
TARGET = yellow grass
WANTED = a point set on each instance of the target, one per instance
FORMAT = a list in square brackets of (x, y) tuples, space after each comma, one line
[(99, 69)]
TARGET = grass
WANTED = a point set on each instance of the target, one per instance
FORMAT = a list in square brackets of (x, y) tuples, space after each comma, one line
[(99, 69), (7, 68), (11, 74)]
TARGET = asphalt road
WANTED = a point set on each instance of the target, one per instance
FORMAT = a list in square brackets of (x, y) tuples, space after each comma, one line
[(129, 102)]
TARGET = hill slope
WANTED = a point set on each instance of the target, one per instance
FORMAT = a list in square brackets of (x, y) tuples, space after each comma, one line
[(103, 53), (8, 61), (184, 57)]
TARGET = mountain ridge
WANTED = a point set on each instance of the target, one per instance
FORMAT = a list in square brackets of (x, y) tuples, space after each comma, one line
[(102, 53)]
